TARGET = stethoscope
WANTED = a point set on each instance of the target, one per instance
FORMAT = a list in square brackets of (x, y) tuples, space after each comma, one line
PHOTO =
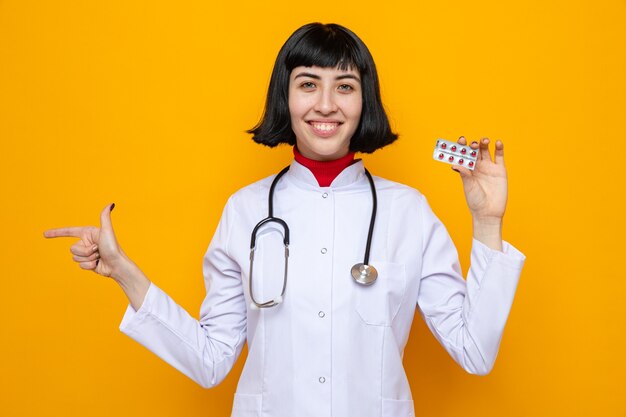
[(363, 273)]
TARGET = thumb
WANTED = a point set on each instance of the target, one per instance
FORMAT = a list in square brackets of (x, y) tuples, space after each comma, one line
[(462, 170), (105, 218), (110, 251)]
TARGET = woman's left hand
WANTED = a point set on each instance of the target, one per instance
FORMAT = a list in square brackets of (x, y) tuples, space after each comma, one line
[(486, 186)]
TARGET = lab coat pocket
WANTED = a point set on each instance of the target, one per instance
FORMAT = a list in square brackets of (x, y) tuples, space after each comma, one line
[(246, 405), (397, 408), (378, 303)]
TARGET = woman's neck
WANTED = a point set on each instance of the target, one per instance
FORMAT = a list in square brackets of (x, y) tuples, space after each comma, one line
[(324, 171)]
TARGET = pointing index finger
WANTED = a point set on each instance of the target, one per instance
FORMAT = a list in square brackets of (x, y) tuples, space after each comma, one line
[(64, 232)]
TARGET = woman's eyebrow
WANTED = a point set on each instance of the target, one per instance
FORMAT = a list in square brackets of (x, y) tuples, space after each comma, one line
[(317, 77), (308, 74), (350, 76)]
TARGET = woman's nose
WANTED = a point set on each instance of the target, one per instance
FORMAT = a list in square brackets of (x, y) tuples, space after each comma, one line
[(326, 102)]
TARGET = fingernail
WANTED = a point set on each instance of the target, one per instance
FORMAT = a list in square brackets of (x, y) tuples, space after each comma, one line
[(94, 248), (112, 206)]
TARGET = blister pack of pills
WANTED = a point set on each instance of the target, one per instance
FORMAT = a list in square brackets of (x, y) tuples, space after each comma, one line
[(454, 154)]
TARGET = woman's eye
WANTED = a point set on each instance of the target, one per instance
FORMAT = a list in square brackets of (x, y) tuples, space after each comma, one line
[(345, 87), (308, 84)]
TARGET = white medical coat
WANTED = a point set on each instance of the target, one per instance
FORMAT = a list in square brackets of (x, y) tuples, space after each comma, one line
[(333, 347)]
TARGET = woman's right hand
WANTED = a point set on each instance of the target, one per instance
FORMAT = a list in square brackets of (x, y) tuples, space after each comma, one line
[(97, 249)]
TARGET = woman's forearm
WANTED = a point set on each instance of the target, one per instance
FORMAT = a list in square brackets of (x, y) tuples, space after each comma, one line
[(489, 232), (133, 281)]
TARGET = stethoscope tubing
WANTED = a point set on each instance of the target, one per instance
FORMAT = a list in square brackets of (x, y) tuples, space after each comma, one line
[(271, 219), (370, 232)]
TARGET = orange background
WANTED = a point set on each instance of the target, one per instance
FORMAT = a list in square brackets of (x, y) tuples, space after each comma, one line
[(145, 103)]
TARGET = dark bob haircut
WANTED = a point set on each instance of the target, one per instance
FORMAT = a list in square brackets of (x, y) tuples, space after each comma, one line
[(327, 46)]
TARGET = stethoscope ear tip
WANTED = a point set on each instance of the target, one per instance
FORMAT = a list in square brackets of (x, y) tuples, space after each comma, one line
[(253, 306), (278, 299)]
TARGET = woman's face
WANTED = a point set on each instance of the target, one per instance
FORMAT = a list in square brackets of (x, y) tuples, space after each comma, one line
[(325, 107)]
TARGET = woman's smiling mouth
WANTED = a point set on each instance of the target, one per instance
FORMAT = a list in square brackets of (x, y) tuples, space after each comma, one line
[(324, 129)]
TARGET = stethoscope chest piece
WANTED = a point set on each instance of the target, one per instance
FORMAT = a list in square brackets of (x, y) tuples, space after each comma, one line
[(364, 274)]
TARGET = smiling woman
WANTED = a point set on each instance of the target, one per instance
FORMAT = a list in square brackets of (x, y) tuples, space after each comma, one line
[(330, 342), (337, 53)]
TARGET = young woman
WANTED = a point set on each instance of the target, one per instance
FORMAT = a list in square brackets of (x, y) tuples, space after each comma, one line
[(320, 268)]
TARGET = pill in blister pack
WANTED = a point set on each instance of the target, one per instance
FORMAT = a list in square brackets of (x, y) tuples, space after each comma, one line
[(454, 154)]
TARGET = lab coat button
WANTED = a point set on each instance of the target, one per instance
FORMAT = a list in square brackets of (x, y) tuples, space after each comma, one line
[(321, 314), (322, 379), (324, 195), (323, 250)]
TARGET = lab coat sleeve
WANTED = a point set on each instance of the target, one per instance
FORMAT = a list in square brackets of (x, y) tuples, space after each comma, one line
[(206, 349), (466, 317)]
